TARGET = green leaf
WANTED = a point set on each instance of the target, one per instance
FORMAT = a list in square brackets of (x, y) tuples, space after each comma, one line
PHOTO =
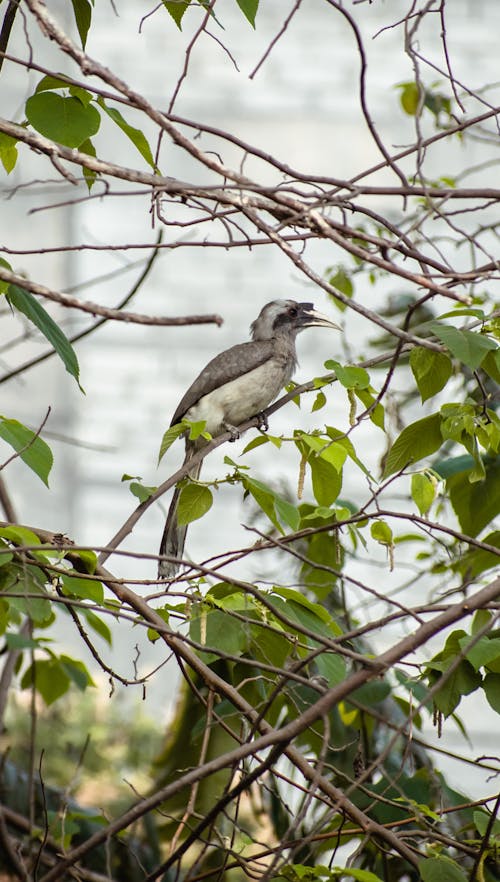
[(340, 437), (470, 348), (97, 625), (62, 829), (476, 504), (27, 580), (409, 98), (49, 83), (326, 480), (218, 630), (49, 677), (6, 556), (305, 613), (249, 9), (491, 686), (371, 694), (196, 429), (341, 280), (462, 681), (19, 641), (458, 422), (176, 8), (8, 152), (356, 874), (445, 468), (319, 402), (258, 441), (423, 491), (350, 376), (415, 442), (491, 364), (88, 589), (287, 512), (477, 560), (264, 497), (82, 10), (194, 501), (315, 608), (431, 370), (437, 103), (482, 821), (88, 558), (469, 311), (24, 302), (482, 617), (4, 286), (77, 672), (84, 96), (141, 491), (19, 535), (153, 634), (331, 667), (65, 120), (441, 869), (31, 448), (381, 532), (137, 137), (377, 415), (334, 453), (169, 437), (89, 174), (483, 651)]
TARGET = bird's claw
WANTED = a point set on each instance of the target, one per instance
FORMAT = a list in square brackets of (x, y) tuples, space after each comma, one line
[(235, 434)]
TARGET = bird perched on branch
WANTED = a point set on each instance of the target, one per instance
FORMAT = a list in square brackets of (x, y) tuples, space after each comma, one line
[(235, 386)]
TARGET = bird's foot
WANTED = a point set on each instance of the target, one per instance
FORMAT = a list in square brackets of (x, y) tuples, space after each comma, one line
[(262, 423), (233, 430)]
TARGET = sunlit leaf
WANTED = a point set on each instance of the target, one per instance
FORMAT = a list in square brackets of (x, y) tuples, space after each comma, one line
[(423, 491), (350, 376), (8, 152), (381, 532), (194, 501), (169, 437), (410, 97)]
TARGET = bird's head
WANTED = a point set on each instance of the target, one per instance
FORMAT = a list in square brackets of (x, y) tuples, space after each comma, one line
[(287, 317)]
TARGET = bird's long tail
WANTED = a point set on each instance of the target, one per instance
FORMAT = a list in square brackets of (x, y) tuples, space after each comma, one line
[(174, 534)]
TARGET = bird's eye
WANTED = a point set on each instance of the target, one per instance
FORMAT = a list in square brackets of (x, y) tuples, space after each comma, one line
[(293, 312)]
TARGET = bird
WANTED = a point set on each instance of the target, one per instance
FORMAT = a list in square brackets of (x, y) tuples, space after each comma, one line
[(236, 385)]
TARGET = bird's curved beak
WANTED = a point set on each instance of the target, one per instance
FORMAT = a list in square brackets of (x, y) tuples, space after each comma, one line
[(310, 318)]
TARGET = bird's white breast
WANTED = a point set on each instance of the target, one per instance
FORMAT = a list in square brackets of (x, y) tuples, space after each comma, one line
[(242, 398)]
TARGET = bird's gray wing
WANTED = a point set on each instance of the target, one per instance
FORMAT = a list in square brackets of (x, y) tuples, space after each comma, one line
[(226, 366)]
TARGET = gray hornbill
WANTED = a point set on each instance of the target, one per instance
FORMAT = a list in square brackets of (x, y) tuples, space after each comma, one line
[(235, 386)]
